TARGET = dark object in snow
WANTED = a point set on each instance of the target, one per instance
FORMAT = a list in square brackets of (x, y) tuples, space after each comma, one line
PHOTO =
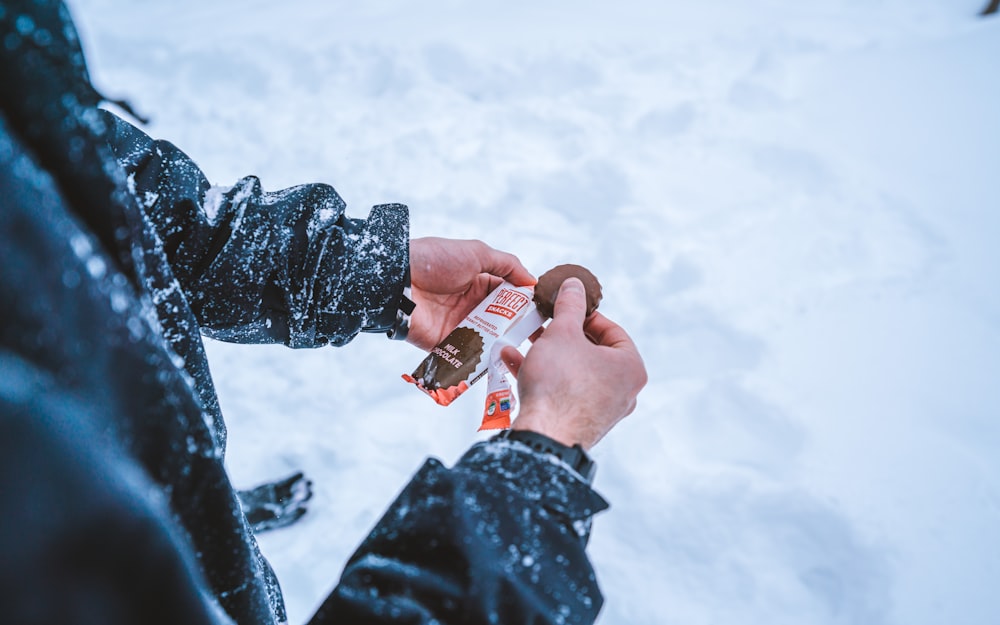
[(276, 504), (550, 281), (117, 505), (991, 8)]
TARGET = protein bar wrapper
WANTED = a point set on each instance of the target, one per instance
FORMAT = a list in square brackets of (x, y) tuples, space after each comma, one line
[(506, 316)]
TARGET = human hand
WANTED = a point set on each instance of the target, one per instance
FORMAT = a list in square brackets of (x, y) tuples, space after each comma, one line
[(448, 278), (580, 377)]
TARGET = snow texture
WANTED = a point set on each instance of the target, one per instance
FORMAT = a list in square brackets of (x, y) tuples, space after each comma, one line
[(792, 207)]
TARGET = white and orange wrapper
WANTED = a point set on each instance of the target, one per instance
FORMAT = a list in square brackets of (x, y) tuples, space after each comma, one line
[(506, 317)]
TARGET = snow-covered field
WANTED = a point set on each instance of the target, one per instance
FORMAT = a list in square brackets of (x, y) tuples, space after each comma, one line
[(793, 208)]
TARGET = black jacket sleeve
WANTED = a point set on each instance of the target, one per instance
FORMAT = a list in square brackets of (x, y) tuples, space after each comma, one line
[(83, 536), (262, 267), (499, 538)]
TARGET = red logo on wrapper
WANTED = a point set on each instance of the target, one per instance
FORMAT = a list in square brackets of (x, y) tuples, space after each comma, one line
[(507, 303), (496, 416)]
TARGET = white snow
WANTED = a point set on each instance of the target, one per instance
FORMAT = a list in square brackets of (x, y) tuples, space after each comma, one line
[(792, 207), (214, 197)]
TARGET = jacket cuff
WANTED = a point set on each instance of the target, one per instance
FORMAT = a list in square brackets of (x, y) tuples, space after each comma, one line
[(537, 477), (378, 252)]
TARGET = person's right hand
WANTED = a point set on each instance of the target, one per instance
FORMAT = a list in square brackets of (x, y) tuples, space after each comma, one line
[(580, 377)]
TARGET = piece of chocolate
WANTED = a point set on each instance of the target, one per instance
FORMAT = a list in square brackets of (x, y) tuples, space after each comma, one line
[(550, 281)]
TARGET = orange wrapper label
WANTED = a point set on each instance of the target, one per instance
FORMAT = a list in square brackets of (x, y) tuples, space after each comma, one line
[(499, 397), (506, 317)]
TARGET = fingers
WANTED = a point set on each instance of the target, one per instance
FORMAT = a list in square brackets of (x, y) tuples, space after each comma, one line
[(603, 331), (606, 333), (505, 265), (512, 358), (491, 282)]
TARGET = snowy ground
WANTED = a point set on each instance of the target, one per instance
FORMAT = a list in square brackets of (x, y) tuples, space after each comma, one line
[(793, 207)]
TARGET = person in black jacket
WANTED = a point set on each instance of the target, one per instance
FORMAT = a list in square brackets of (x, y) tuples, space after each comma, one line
[(117, 506)]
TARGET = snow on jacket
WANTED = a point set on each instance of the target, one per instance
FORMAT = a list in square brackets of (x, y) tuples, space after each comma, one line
[(116, 504), (255, 267)]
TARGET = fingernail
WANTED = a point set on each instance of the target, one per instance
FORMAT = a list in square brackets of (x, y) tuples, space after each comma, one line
[(572, 284)]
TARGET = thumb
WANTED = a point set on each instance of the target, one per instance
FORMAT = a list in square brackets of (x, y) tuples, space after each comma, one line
[(571, 304), (506, 266)]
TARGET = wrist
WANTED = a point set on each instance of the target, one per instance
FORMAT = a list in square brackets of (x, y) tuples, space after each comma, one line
[(557, 429), (572, 455)]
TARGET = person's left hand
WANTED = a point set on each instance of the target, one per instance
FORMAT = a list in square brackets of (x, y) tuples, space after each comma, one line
[(448, 278)]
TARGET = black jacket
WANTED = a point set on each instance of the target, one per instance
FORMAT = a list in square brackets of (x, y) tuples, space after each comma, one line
[(116, 504)]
